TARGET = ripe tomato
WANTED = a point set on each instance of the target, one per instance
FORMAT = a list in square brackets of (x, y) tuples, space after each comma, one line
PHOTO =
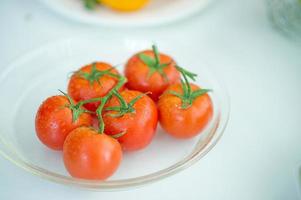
[(124, 5), (180, 122), (54, 121), (149, 71), (92, 81), (138, 123), (90, 155)]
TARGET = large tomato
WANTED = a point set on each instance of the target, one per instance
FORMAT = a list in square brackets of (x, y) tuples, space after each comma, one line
[(54, 121), (137, 123), (151, 71), (188, 121), (91, 155), (91, 81)]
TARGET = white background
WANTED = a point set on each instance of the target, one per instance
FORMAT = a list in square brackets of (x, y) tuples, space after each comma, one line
[(260, 152)]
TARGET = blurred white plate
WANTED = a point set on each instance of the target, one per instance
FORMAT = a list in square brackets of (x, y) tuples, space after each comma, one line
[(155, 13)]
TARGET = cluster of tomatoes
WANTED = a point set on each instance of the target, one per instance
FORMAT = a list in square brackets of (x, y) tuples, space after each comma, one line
[(105, 113)]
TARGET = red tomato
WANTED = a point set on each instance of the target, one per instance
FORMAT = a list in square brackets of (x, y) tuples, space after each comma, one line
[(184, 123), (144, 78), (90, 82), (54, 121), (138, 126), (91, 155)]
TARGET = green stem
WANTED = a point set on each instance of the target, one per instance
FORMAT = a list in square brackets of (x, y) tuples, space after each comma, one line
[(99, 114), (90, 4), (187, 85), (123, 103), (157, 58), (81, 103), (113, 75), (104, 100), (188, 95)]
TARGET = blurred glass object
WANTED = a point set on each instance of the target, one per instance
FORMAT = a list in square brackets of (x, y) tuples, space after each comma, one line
[(286, 16)]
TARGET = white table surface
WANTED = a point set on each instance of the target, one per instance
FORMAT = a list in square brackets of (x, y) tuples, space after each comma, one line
[(260, 151)]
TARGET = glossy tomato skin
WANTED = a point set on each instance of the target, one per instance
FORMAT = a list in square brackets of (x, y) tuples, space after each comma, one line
[(139, 127), (137, 72), (53, 122), (184, 123), (81, 89), (90, 155)]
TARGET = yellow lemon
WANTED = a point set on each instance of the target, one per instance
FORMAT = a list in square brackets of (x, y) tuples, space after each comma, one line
[(124, 5)]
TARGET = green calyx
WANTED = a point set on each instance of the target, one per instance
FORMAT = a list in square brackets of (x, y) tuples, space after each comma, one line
[(188, 96), (96, 74), (76, 109), (124, 107), (154, 64), (90, 4)]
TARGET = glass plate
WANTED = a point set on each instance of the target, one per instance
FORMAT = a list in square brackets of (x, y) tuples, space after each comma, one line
[(39, 74)]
